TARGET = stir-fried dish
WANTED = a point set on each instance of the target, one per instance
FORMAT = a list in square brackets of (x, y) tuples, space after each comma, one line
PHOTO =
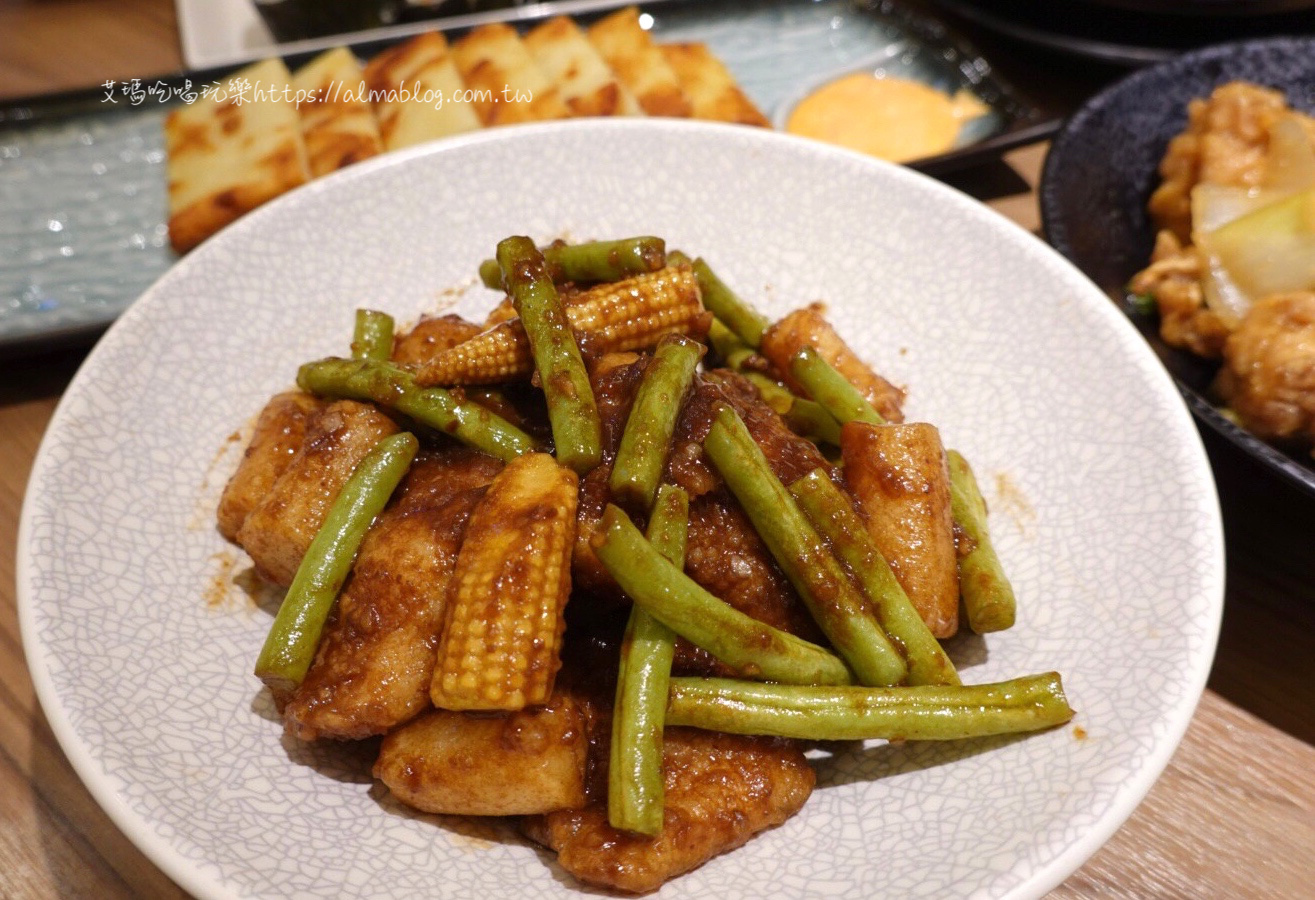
[(1233, 270), (611, 560)]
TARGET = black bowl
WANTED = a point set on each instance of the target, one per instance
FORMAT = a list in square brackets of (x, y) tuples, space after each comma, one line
[(1134, 33), (1101, 170)]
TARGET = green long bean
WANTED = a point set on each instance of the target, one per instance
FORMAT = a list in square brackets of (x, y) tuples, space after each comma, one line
[(754, 649), (295, 634), (576, 427), (833, 515), (591, 261), (803, 416), (988, 597), (373, 337), (635, 789), (395, 388), (811, 420), (832, 390), (730, 350), (646, 440), (927, 713), (746, 322), (834, 602)]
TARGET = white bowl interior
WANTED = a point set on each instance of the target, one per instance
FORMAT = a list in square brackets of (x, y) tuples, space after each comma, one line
[(1103, 509)]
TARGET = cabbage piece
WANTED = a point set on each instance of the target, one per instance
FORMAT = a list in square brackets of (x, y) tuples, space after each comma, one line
[(1253, 244), (1270, 250), (1215, 205)]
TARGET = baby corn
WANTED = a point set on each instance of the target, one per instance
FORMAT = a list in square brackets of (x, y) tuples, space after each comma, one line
[(625, 315), (500, 648)]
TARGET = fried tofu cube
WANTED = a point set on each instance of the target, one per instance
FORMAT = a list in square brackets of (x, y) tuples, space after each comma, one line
[(417, 93), (639, 64), (337, 121), (231, 151), (507, 84), (279, 433), (710, 87), (574, 67), (721, 790), (808, 327)]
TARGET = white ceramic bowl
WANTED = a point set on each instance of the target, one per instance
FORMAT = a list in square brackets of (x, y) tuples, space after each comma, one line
[(1103, 508)]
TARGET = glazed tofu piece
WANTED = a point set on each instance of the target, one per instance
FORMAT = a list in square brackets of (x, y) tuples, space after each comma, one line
[(523, 763), (639, 63), (901, 479), (614, 378), (376, 657), (808, 327), (583, 80), (417, 93), (333, 104), (721, 790), (710, 87), (279, 529), (508, 84), (279, 433), (429, 337)]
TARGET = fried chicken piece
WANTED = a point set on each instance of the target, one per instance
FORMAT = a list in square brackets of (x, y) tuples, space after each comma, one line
[(721, 790), (277, 532), (790, 456), (531, 761), (279, 433), (376, 658), (1225, 142), (1173, 279), (1269, 367), (726, 556)]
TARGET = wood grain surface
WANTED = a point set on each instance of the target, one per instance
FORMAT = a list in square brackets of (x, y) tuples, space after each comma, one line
[(1232, 816)]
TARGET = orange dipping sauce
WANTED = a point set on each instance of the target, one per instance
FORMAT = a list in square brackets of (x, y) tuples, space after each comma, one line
[(890, 118)]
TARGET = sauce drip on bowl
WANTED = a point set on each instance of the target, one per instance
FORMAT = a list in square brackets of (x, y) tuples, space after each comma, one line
[(890, 118)]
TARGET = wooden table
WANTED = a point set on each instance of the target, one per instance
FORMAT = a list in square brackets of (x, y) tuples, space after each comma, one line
[(1232, 816)]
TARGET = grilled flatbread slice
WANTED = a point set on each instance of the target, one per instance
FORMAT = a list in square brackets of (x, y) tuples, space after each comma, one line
[(337, 122), (507, 83), (583, 80), (639, 64), (711, 88), (417, 93), (231, 151)]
